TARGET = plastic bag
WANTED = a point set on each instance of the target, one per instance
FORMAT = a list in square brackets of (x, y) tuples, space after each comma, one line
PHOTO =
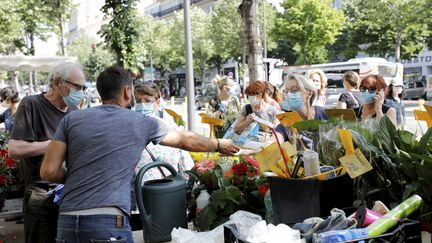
[(180, 235)]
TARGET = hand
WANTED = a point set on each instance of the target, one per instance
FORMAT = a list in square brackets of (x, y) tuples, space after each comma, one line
[(379, 100), (250, 118), (227, 147)]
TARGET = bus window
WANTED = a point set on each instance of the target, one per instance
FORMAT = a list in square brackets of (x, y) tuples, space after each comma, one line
[(387, 70)]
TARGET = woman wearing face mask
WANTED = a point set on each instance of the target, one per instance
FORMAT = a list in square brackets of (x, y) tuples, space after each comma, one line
[(257, 107), (9, 100), (272, 96), (225, 106), (394, 99), (320, 81), (300, 92), (373, 89), (147, 97), (148, 102)]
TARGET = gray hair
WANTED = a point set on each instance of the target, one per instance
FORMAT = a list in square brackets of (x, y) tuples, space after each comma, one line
[(304, 84), (63, 70)]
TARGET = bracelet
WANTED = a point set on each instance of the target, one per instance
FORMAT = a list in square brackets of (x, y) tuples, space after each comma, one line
[(218, 145)]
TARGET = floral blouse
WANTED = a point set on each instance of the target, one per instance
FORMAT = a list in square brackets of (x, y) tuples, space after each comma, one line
[(229, 113), (179, 159)]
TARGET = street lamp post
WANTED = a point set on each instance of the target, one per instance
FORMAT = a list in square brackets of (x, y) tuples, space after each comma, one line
[(190, 86), (265, 39)]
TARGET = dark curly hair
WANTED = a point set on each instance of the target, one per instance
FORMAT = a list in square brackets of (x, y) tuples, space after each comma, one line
[(11, 92)]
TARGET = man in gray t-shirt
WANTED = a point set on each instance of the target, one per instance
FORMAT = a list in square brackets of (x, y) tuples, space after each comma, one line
[(101, 147)]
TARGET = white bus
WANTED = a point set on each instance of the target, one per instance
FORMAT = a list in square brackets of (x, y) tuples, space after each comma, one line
[(363, 66)]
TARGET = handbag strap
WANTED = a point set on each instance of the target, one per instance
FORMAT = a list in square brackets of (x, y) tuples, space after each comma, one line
[(154, 161)]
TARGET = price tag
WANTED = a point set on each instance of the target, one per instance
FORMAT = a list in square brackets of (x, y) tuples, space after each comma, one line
[(289, 118), (346, 139), (355, 164), (270, 158)]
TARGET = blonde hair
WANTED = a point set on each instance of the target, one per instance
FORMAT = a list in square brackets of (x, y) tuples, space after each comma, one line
[(352, 78), (320, 72)]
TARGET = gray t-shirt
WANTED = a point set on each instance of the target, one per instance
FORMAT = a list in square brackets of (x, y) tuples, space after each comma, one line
[(104, 144)]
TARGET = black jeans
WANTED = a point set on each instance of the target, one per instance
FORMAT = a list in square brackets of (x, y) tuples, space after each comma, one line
[(40, 214)]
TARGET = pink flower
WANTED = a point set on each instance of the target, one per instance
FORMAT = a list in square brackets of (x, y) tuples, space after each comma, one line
[(204, 166), (251, 161)]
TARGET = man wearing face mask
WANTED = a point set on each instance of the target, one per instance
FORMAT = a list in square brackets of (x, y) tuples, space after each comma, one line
[(225, 106), (36, 120), (100, 158), (394, 99)]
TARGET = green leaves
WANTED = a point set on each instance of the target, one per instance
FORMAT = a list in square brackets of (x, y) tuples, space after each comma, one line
[(310, 25)]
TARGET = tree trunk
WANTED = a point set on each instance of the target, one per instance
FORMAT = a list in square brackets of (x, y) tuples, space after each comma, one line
[(398, 45), (305, 59), (62, 39), (32, 47), (248, 10)]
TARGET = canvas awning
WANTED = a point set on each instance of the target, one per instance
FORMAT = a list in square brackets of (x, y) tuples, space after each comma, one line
[(32, 63)]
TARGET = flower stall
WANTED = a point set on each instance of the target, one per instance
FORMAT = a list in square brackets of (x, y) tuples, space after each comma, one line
[(359, 164)]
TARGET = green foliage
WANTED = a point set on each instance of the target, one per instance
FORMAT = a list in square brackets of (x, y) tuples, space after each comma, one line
[(202, 46), (227, 30), (11, 38), (375, 25), (309, 25), (122, 32), (93, 60)]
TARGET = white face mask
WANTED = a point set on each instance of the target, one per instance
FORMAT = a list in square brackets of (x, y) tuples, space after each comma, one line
[(6, 104), (253, 100), (397, 90)]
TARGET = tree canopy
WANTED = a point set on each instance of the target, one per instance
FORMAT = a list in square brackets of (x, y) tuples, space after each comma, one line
[(309, 25)]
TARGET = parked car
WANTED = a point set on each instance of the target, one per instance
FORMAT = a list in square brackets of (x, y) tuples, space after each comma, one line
[(415, 89)]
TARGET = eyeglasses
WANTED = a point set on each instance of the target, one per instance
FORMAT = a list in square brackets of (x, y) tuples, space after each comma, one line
[(370, 90), (77, 86)]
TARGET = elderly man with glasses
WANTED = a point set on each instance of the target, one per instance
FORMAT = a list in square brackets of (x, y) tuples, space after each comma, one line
[(36, 120)]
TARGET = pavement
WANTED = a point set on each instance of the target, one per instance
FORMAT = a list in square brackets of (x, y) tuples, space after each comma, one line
[(14, 233)]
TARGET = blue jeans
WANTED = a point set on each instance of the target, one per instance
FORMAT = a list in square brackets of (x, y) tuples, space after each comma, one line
[(93, 228)]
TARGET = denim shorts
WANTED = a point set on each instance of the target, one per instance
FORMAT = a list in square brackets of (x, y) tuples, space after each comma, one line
[(93, 228)]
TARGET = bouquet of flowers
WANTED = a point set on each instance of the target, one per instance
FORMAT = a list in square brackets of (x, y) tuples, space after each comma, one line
[(234, 184)]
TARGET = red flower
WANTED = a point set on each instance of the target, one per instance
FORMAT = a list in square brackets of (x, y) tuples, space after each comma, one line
[(9, 162), (262, 189), (240, 169), (251, 161), (204, 166), (3, 152)]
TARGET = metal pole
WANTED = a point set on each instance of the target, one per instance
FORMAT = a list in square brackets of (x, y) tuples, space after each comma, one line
[(265, 39), (190, 87)]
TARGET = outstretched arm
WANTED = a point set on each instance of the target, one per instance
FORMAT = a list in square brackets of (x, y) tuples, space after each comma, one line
[(193, 142)]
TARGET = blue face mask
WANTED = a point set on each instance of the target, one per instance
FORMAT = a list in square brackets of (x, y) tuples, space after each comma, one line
[(367, 97), (74, 97), (295, 101), (145, 108), (285, 104)]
